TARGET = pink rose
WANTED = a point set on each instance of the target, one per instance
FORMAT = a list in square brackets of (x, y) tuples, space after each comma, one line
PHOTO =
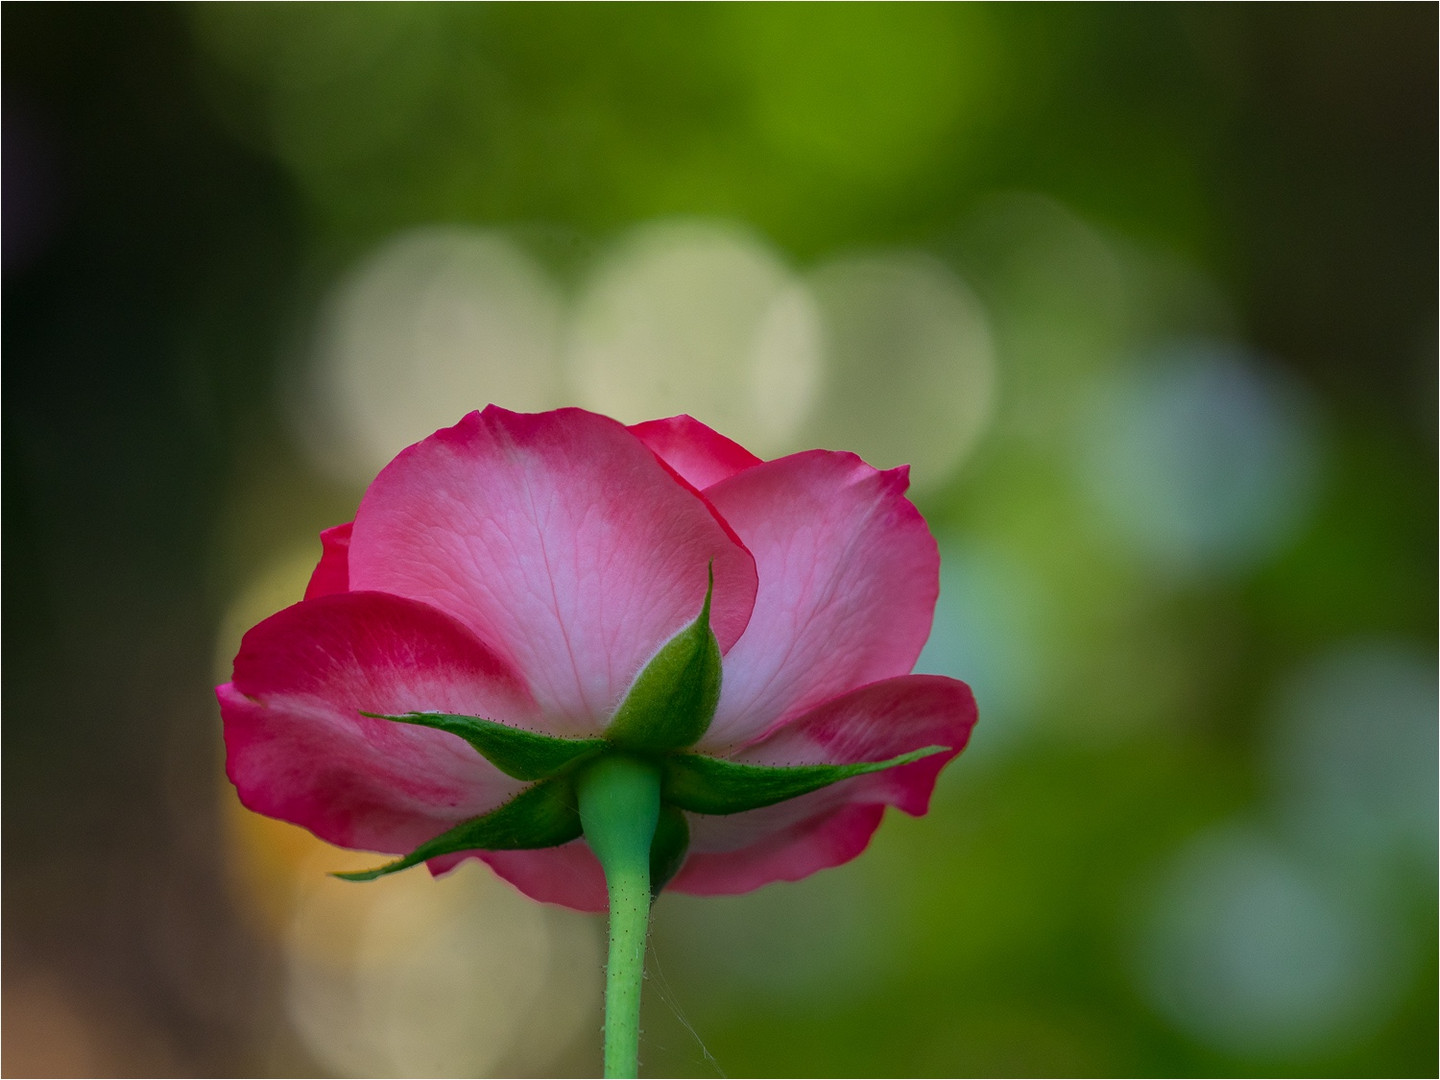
[(526, 568)]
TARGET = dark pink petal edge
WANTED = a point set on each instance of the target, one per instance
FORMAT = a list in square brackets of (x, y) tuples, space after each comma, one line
[(875, 723), (332, 572), (791, 854), (568, 875), (699, 454), (298, 748), (792, 840)]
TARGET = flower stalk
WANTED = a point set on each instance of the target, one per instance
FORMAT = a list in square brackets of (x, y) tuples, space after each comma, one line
[(619, 799)]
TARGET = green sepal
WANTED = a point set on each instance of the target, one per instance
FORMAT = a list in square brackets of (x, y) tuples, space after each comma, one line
[(707, 785), (668, 848), (521, 754), (541, 816), (673, 700)]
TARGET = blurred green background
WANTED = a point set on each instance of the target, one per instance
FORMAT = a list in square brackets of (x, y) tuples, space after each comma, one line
[(1146, 294)]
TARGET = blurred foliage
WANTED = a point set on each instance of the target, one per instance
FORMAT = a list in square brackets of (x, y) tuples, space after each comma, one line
[(1120, 187)]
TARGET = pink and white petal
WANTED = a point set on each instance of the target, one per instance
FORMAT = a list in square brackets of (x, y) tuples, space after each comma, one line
[(559, 539), (797, 851), (849, 574), (876, 723), (332, 572), (793, 839), (568, 875), (298, 748), (701, 455)]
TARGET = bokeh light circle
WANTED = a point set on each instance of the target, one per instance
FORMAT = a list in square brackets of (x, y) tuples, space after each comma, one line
[(435, 323), (701, 318), (910, 369), (411, 976), (1200, 458), (1353, 748), (1250, 950)]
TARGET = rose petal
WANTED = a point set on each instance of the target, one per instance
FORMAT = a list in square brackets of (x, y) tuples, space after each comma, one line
[(790, 840), (332, 572), (568, 875), (298, 748), (700, 455), (561, 541), (876, 723), (849, 574), (827, 840)]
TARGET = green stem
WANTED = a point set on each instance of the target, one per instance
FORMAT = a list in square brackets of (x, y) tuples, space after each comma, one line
[(619, 805)]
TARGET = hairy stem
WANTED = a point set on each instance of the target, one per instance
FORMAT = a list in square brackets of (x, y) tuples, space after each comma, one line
[(619, 806)]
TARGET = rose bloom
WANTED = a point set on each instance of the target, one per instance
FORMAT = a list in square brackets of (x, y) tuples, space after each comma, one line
[(525, 568)]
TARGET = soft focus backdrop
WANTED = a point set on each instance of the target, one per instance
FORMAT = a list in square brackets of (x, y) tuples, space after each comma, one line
[(1146, 294)]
